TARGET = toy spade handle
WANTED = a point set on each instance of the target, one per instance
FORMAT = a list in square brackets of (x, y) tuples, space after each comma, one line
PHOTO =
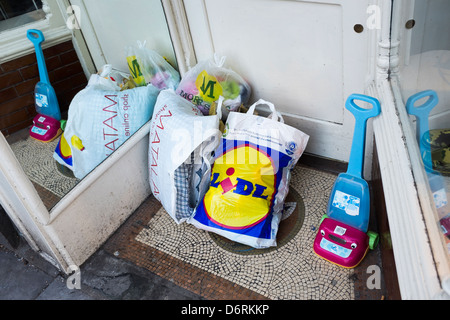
[(355, 163), (422, 112), (37, 37)]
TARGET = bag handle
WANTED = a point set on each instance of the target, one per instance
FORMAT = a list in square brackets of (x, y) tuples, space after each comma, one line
[(219, 60), (219, 107), (276, 116), (280, 117)]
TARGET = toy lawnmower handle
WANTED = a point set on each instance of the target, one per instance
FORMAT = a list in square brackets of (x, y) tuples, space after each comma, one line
[(35, 36), (362, 113), (422, 112)]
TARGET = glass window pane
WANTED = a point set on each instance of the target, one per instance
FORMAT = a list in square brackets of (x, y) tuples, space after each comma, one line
[(425, 83), (15, 13)]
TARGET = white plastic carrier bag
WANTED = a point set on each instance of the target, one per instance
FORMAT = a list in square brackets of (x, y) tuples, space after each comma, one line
[(208, 80), (101, 118), (149, 67), (250, 178), (180, 153)]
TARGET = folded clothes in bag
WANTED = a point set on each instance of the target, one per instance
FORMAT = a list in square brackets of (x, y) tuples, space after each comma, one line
[(181, 143), (100, 119), (250, 178)]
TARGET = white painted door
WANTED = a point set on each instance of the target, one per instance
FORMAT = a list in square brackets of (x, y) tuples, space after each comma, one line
[(304, 56), (108, 26)]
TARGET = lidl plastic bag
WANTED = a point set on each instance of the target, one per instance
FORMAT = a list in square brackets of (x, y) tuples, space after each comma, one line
[(210, 79), (149, 67), (100, 119), (250, 178), (63, 153), (180, 153)]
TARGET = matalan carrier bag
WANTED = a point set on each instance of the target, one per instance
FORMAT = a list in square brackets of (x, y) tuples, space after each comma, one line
[(250, 178), (101, 118), (180, 153)]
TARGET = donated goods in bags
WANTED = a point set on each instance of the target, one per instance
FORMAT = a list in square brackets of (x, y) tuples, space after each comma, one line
[(148, 67), (181, 143), (100, 119), (208, 80), (250, 178)]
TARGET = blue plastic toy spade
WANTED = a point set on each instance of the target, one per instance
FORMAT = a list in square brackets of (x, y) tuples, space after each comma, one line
[(349, 201), (45, 96), (422, 113)]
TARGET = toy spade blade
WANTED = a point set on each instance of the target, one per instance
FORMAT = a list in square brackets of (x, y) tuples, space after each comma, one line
[(45, 97), (349, 200)]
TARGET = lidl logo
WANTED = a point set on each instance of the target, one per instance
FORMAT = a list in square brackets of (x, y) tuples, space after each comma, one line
[(242, 188)]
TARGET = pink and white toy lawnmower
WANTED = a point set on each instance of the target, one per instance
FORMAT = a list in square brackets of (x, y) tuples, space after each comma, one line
[(342, 237)]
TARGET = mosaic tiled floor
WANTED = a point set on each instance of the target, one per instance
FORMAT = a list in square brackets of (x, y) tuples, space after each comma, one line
[(214, 267), (196, 260), (37, 161)]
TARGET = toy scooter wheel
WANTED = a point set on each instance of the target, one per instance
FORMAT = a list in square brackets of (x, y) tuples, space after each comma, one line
[(373, 239)]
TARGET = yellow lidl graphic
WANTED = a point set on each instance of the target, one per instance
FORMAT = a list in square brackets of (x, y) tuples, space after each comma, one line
[(64, 147), (208, 87), (242, 188)]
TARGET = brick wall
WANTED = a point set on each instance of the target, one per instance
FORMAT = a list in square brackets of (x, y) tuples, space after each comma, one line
[(19, 77)]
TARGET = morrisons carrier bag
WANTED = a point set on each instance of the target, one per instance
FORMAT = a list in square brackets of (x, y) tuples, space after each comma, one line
[(210, 79), (250, 178)]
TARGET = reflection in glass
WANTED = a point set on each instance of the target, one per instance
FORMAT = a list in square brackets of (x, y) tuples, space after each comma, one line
[(425, 83), (434, 146), (15, 13)]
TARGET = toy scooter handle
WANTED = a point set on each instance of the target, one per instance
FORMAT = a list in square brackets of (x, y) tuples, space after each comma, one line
[(422, 112), (355, 163), (35, 36)]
